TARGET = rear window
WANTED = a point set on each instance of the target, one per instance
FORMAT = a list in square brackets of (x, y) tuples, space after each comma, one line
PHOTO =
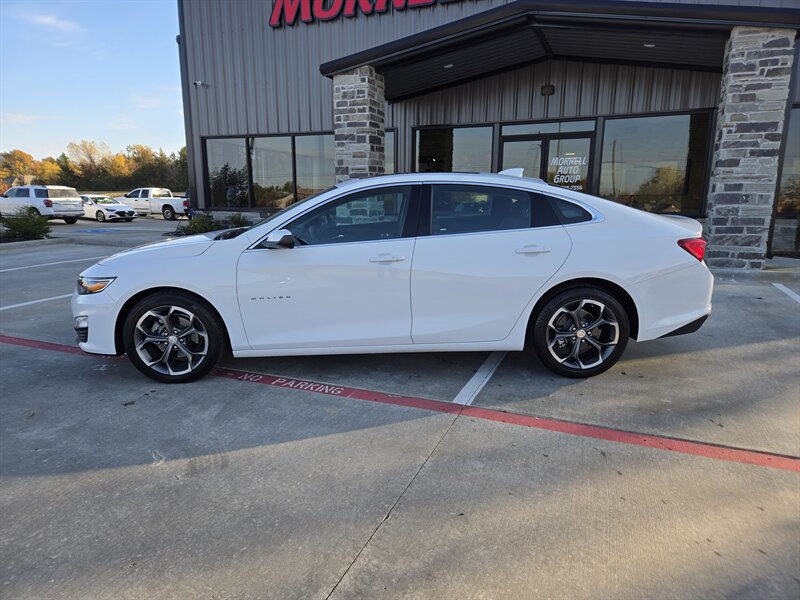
[(570, 213), (162, 194), (49, 193)]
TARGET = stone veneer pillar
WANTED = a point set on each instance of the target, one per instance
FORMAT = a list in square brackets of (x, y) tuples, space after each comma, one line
[(750, 127), (358, 123)]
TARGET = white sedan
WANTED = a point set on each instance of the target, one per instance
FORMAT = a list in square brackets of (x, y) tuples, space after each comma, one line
[(405, 263), (105, 208)]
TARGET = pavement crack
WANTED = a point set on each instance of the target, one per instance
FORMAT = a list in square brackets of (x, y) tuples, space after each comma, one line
[(396, 502)]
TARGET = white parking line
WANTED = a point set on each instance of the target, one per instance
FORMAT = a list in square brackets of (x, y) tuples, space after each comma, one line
[(58, 262), (787, 291), (34, 302), (480, 379)]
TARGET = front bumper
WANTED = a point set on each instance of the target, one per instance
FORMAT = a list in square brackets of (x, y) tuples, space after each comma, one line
[(96, 333)]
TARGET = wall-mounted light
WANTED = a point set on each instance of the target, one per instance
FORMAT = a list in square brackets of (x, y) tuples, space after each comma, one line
[(548, 89), (649, 45), (200, 84), (448, 66)]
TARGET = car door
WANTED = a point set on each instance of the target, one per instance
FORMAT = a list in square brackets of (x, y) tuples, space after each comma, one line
[(345, 283), (8, 202), (88, 206), (487, 251), (132, 199), (144, 200)]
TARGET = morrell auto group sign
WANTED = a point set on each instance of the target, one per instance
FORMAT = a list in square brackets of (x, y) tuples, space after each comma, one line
[(288, 12)]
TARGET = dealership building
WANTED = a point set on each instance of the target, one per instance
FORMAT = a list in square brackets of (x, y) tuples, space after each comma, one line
[(673, 107)]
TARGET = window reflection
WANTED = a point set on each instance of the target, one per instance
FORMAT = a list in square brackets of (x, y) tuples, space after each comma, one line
[(314, 163), (271, 160), (227, 172), (656, 163), (449, 149), (789, 195)]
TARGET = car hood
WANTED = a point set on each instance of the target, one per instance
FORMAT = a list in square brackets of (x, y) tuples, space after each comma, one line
[(193, 245)]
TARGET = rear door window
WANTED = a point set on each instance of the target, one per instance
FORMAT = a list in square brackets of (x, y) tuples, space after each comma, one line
[(457, 208), (145, 194), (41, 193)]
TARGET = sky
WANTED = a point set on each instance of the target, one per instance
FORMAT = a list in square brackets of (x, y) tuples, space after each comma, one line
[(102, 70)]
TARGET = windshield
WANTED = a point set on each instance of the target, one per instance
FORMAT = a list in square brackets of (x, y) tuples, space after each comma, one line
[(162, 193), (291, 206), (104, 200)]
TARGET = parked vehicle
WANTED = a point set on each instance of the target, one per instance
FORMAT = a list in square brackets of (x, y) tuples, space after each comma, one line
[(51, 201), (147, 201), (105, 208), (406, 263)]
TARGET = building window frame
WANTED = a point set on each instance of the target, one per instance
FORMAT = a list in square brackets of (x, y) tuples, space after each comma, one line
[(415, 129), (249, 148)]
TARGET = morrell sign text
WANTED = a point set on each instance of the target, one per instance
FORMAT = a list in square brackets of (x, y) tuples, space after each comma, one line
[(288, 12)]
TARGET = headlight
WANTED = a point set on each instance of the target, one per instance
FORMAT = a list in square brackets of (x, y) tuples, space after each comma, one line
[(92, 285)]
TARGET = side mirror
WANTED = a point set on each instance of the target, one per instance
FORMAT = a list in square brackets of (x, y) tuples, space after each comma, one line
[(280, 238), (128, 195)]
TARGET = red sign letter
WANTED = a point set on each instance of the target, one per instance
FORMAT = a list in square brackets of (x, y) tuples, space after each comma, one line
[(331, 12), (289, 9), (350, 7), (380, 5)]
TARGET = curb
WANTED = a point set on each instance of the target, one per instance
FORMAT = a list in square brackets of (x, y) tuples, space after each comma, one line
[(32, 243)]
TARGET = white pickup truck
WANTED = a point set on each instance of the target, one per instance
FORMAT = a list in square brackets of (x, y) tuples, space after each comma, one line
[(146, 201)]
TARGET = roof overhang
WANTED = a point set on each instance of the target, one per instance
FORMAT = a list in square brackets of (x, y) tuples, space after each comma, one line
[(523, 32)]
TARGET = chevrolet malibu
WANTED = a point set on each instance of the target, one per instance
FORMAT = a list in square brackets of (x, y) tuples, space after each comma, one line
[(405, 263)]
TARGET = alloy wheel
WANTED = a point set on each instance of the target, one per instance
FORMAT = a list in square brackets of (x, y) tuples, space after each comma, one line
[(171, 340), (582, 334)]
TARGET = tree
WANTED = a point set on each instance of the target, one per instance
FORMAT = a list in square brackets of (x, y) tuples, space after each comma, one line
[(15, 163), (47, 171)]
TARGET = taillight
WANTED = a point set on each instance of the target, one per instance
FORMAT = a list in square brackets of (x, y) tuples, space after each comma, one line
[(694, 246), (48, 203), (185, 204)]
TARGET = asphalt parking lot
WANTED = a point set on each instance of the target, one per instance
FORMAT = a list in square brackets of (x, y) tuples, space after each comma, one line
[(674, 475)]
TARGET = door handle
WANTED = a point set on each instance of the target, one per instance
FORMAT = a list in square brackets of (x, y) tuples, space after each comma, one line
[(532, 250), (384, 258)]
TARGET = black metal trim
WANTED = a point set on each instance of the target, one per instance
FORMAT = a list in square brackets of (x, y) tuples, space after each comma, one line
[(677, 16), (688, 328), (183, 61)]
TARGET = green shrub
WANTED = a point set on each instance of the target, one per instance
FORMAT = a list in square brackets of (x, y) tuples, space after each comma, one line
[(26, 224), (238, 220), (202, 223)]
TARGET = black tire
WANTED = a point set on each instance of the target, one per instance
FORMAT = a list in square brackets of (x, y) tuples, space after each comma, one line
[(168, 213), (70, 220), (576, 349), (169, 359), (100, 216)]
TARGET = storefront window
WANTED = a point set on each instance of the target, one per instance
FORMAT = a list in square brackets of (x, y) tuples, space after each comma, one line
[(271, 160), (542, 128), (450, 149), (656, 163), (227, 172), (388, 153), (789, 194), (314, 163)]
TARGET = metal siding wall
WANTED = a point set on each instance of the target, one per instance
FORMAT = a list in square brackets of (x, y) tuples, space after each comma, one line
[(263, 80), (582, 90)]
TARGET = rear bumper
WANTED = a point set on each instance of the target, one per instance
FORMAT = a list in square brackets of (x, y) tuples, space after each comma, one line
[(688, 328), (669, 303)]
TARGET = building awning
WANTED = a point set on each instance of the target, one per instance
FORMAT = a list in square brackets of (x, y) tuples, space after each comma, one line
[(527, 31)]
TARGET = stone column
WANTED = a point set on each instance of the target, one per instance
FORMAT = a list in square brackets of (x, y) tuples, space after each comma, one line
[(750, 127), (358, 123)]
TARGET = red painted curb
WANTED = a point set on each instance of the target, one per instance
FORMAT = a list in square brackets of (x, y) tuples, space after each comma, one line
[(704, 449)]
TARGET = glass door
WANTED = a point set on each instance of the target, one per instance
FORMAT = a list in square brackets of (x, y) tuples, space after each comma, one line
[(526, 154), (563, 159), (568, 162)]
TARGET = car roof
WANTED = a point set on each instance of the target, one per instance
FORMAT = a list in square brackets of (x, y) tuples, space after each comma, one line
[(455, 177), (48, 187)]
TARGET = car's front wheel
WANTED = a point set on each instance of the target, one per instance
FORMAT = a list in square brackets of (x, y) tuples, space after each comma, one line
[(581, 332), (173, 338)]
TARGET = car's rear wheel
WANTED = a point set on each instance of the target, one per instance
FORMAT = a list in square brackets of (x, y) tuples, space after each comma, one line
[(100, 216), (173, 338), (169, 213), (70, 220), (581, 332)]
